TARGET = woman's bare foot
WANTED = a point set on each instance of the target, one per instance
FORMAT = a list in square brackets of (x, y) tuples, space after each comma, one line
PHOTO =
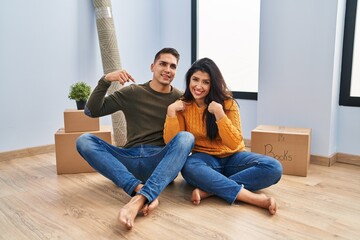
[(260, 200), (272, 207), (268, 203), (197, 195), (128, 213)]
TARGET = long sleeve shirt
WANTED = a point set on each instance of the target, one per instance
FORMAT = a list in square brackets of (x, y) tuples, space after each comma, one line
[(144, 110), (229, 139)]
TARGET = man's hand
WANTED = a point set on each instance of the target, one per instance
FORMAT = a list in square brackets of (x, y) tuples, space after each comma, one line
[(119, 75)]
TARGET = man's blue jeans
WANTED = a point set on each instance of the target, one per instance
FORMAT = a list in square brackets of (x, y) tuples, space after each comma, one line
[(153, 166), (224, 177)]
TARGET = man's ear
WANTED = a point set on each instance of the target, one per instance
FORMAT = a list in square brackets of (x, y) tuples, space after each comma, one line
[(152, 67)]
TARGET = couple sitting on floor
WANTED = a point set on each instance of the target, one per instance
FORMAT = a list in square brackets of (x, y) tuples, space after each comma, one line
[(197, 132)]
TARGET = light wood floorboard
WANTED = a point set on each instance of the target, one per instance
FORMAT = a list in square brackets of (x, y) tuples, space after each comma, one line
[(36, 203)]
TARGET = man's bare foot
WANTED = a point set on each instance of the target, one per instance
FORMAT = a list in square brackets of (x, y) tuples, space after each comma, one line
[(128, 213), (149, 207), (197, 195)]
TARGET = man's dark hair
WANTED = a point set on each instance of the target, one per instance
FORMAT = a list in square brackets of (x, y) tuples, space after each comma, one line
[(171, 51)]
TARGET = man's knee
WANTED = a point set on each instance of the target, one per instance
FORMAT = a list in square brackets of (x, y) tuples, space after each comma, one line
[(82, 141), (186, 138)]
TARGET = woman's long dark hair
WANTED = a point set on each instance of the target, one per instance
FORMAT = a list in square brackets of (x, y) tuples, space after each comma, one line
[(219, 92)]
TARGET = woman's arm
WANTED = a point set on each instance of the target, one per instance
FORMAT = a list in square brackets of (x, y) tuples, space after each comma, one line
[(230, 126), (174, 121)]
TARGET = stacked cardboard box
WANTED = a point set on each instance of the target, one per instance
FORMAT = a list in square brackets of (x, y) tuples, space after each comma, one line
[(291, 146), (76, 123)]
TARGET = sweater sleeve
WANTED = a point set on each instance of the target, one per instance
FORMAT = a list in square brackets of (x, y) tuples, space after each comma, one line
[(98, 103), (172, 126), (230, 126)]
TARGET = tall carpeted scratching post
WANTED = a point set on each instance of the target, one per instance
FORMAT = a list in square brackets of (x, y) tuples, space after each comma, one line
[(110, 60)]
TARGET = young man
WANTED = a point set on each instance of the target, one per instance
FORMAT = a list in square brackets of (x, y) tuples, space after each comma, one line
[(145, 165)]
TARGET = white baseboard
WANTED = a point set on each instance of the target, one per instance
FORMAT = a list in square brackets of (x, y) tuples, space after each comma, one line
[(27, 152)]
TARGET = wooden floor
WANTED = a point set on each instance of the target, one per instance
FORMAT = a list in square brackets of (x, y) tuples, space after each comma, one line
[(36, 203)]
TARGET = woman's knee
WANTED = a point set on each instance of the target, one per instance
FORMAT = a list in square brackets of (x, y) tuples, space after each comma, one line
[(188, 172), (192, 166), (278, 169)]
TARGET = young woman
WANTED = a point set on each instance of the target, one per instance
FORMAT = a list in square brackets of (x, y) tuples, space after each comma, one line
[(219, 164)]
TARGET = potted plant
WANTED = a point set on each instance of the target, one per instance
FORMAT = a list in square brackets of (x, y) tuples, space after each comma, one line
[(80, 92)]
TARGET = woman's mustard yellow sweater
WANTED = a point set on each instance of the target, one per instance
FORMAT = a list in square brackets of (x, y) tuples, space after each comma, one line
[(229, 139)]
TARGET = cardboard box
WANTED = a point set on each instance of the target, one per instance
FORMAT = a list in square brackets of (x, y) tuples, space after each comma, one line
[(77, 121), (291, 146), (68, 160)]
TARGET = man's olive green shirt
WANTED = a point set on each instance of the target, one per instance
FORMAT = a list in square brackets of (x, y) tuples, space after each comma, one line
[(144, 110)]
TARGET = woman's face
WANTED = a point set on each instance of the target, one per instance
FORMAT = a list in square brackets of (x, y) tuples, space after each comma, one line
[(200, 87)]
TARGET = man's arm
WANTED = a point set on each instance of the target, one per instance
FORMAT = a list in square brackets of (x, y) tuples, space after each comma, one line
[(121, 76), (98, 105)]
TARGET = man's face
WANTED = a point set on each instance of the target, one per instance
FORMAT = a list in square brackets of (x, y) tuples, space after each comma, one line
[(164, 69)]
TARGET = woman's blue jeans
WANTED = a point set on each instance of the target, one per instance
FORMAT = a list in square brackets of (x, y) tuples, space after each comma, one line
[(153, 166), (224, 177)]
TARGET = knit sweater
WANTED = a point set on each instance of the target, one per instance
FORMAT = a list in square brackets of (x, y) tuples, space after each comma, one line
[(229, 139), (144, 110)]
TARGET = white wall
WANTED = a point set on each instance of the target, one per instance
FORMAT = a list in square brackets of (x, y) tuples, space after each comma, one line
[(349, 130), (298, 73), (47, 46), (176, 32), (296, 65), (138, 30), (300, 65)]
